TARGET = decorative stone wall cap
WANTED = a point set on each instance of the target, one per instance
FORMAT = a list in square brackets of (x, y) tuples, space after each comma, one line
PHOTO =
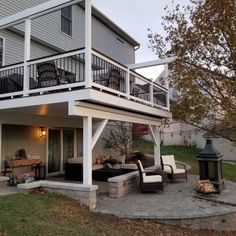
[(58, 185), (123, 177)]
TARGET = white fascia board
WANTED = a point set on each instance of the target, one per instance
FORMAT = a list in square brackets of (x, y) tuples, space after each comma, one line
[(101, 112), (121, 103), (43, 99), (36, 11), (152, 63)]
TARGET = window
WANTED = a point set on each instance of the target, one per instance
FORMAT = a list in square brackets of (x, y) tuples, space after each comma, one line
[(66, 20), (1, 52), (120, 41)]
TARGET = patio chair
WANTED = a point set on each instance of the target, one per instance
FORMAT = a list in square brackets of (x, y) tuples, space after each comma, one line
[(47, 74), (169, 165), (114, 79), (149, 182)]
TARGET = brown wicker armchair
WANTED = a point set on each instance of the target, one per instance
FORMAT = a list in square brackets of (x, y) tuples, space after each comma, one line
[(173, 173), (149, 182)]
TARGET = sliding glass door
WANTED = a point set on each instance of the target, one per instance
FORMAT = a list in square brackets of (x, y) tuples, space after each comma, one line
[(61, 146)]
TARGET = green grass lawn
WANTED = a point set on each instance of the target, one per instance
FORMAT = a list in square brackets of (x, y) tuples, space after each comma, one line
[(48, 214), (184, 154)]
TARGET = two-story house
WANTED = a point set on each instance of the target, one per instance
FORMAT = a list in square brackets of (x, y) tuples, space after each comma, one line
[(66, 70)]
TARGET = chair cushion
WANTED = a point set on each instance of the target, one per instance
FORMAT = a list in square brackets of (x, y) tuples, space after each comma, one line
[(152, 178), (169, 160), (179, 171), (167, 169)]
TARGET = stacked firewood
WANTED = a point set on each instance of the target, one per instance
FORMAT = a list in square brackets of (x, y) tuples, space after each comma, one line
[(205, 186)]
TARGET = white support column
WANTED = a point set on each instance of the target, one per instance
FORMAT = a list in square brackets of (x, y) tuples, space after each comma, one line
[(26, 55), (98, 132), (87, 150), (157, 150), (155, 132), (1, 147), (88, 43)]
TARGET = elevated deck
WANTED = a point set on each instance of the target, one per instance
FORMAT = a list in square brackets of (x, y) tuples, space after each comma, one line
[(61, 78)]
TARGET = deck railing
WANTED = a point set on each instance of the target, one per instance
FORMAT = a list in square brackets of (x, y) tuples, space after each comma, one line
[(66, 71)]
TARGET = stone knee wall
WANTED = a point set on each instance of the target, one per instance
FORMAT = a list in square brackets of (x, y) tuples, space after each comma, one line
[(122, 185), (86, 195), (86, 198)]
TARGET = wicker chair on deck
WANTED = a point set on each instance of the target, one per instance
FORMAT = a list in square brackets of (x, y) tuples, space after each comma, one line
[(47, 74), (168, 165), (149, 182)]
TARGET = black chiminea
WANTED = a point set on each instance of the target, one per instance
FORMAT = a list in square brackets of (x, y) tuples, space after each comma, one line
[(210, 165)]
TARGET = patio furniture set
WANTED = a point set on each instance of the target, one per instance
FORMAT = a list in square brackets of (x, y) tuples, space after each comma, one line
[(151, 179)]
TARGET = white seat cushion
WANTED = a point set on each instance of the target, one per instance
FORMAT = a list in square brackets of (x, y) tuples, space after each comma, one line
[(152, 178), (167, 169), (179, 171)]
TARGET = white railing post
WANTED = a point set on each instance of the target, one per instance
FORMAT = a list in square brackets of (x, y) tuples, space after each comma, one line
[(88, 43), (26, 56), (151, 93), (127, 85)]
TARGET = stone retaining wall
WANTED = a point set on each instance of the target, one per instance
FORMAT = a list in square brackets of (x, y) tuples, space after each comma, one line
[(123, 184), (85, 194)]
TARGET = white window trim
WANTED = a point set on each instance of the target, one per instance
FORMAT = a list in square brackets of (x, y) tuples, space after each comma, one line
[(3, 49), (72, 24)]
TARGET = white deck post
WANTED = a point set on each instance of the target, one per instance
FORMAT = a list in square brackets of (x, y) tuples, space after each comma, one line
[(27, 56), (157, 151), (87, 150), (0, 147), (155, 132), (88, 43)]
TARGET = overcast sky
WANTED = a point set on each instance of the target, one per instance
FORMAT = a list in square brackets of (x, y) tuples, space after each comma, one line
[(135, 17)]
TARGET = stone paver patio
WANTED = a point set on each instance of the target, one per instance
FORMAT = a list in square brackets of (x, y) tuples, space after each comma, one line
[(177, 203)]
